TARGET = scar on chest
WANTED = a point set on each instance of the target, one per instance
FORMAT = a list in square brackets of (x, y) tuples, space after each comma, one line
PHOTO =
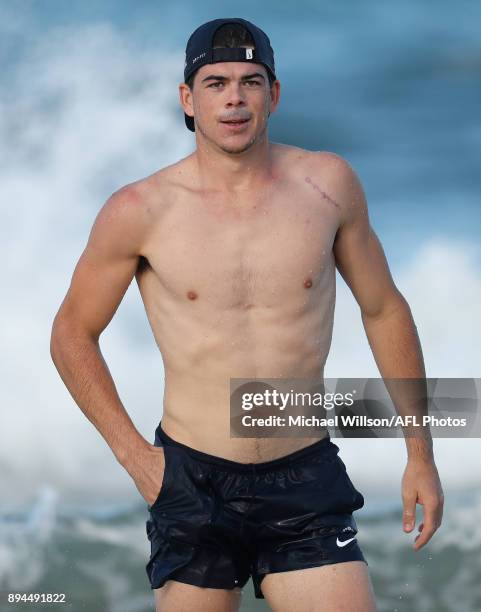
[(323, 193), (192, 295)]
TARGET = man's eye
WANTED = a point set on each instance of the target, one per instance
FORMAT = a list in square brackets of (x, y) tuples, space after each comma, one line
[(220, 83)]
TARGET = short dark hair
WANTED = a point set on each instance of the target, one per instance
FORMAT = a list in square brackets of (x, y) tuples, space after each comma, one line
[(231, 35)]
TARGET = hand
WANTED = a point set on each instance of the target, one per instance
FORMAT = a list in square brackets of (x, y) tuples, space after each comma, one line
[(421, 484), (148, 472)]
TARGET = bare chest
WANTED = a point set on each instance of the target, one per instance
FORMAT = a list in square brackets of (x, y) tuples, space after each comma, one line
[(242, 252)]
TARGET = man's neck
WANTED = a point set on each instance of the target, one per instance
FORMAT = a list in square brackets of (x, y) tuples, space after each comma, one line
[(219, 171)]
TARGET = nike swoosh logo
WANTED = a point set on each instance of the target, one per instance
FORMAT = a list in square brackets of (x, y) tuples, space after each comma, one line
[(344, 543)]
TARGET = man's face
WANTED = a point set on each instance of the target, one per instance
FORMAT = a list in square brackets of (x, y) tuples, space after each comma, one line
[(229, 91)]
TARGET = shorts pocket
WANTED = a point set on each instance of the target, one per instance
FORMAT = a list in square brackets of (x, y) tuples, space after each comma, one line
[(358, 498), (166, 478), (326, 488)]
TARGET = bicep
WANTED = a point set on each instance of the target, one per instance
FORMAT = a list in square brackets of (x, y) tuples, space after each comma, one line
[(359, 255), (107, 265)]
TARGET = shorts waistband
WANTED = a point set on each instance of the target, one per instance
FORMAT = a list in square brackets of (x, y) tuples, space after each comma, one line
[(320, 446)]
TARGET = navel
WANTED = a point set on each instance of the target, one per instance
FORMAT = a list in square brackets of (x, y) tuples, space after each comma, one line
[(192, 295)]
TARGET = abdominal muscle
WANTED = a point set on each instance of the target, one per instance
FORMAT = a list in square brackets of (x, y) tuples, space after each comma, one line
[(202, 352)]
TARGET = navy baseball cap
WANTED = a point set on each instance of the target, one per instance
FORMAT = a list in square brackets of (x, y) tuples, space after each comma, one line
[(199, 51)]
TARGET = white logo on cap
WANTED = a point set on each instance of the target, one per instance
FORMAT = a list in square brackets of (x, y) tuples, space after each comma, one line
[(198, 57), (248, 53)]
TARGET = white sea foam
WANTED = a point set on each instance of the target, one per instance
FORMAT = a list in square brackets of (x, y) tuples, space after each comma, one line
[(86, 113)]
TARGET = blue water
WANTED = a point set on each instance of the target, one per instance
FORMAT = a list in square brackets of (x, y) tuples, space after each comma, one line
[(393, 88), (97, 556)]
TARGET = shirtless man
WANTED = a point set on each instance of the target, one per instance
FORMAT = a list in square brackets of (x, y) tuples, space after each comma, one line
[(234, 250)]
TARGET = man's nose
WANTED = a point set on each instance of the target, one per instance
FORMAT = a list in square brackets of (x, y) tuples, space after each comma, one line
[(235, 94)]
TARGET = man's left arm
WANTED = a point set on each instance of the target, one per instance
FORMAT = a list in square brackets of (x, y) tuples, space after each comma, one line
[(391, 333)]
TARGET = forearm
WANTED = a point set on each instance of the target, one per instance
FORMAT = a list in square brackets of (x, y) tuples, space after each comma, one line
[(84, 371), (396, 348)]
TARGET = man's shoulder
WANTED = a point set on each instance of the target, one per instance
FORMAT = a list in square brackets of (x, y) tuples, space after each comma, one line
[(342, 182), (336, 177), (333, 162), (134, 209), (150, 190), (320, 160)]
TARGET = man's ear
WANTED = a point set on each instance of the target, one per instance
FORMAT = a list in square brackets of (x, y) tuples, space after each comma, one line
[(185, 97)]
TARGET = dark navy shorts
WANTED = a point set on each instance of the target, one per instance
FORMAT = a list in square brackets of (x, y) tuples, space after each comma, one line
[(216, 522)]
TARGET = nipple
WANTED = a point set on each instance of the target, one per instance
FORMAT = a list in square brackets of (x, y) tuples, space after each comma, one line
[(308, 283), (192, 295)]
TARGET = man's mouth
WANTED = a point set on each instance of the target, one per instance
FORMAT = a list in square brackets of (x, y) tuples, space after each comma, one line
[(236, 121)]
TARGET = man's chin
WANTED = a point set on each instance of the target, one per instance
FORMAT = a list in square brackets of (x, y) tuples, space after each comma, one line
[(237, 144), (236, 148)]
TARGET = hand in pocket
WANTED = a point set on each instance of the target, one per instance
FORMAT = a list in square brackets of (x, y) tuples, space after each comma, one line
[(149, 479)]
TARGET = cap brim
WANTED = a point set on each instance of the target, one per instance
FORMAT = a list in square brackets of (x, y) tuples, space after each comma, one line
[(189, 122)]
